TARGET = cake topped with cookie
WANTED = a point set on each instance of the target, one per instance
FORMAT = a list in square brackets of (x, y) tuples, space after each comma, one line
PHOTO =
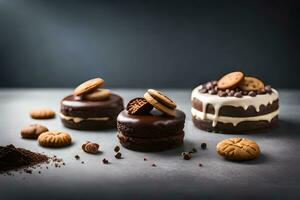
[(151, 123), (234, 103), (91, 107)]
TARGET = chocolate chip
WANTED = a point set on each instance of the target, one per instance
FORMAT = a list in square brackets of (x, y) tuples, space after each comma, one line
[(215, 83), (77, 157), (105, 161), (186, 155), (212, 91), (203, 90), (153, 165), (145, 159), (82, 162), (268, 89), (238, 94), (262, 91), (222, 93), (118, 155), (209, 86), (252, 93), (117, 148), (200, 165), (203, 146)]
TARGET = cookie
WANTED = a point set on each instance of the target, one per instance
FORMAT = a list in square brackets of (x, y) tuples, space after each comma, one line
[(161, 103), (238, 149), (90, 147), (162, 98), (42, 113), (97, 95), (230, 80), (138, 106), (251, 84), (88, 86), (54, 139), (33, 131)]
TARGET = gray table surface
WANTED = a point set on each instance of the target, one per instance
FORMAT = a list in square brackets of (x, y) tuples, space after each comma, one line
[(275, 174)]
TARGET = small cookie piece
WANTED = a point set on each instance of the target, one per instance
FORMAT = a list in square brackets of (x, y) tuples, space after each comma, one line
[(33, 131), (251, 84), (230, 80), (162, 98), (138, 106), (160, 103), (97, 95), (88, 86), (238, 149), (54, 139), (90, 147), (42, 113)]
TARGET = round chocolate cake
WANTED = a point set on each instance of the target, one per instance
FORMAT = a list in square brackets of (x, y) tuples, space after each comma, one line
[(235, 109)]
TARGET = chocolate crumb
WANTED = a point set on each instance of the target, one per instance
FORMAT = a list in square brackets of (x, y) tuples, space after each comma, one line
[(105, 161), (118, 155), (203, 146), (117, 148), (77, 157), (200, 165), (39, 172), (82, 162), (153, 165)]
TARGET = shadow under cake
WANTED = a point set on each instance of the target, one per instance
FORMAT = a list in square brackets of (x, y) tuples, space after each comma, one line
[(153, 132), (77, 113)]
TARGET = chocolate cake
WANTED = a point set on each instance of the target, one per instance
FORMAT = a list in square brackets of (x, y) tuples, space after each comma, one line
[(244, 106)]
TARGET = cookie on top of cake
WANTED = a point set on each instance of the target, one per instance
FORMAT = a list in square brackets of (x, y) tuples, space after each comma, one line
[(234, 103)]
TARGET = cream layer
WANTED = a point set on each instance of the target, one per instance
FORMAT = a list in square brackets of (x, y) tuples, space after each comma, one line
[(233, 120), (79, 119)]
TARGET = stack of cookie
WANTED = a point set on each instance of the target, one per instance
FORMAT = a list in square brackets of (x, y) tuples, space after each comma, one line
[(91, 107), (151, 123)]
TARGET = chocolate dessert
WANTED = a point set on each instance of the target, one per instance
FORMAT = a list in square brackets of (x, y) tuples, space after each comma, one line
[(243, 104), (157, 129)]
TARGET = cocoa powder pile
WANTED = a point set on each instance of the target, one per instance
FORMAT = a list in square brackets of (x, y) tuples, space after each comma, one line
[(12, 158)]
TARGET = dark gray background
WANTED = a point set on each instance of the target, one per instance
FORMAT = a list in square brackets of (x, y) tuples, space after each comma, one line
[(147, 43)]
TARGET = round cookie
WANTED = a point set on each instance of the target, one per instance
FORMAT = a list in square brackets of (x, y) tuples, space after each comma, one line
[(33, 131), (162, 98), (138, 106), (238, 149), (152, 132), (54, 139), (97, 95), (42, 113), (77, 113), (160, 104), (88, 86), (230, 80), (251, 84)]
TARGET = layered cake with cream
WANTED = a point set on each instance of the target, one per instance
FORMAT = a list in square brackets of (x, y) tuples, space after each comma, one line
[(235, 103)]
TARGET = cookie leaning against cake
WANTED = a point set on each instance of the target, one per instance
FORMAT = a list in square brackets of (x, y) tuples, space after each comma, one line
[(91, 107), (234, 103), (151, 123)]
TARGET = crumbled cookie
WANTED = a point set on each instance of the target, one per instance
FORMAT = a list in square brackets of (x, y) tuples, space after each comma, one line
[(90, 147), (88, 86), (161, 102), (54, 139), (97, 95), (230, 80), (138, 106), (42, 113), (251, 84), (33, 131), (238, 149)]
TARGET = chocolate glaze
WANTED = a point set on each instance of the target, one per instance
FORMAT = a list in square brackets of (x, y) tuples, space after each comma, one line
[(232, 111), (154, 144), (246, 126), (154, 125), (75, 106)]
